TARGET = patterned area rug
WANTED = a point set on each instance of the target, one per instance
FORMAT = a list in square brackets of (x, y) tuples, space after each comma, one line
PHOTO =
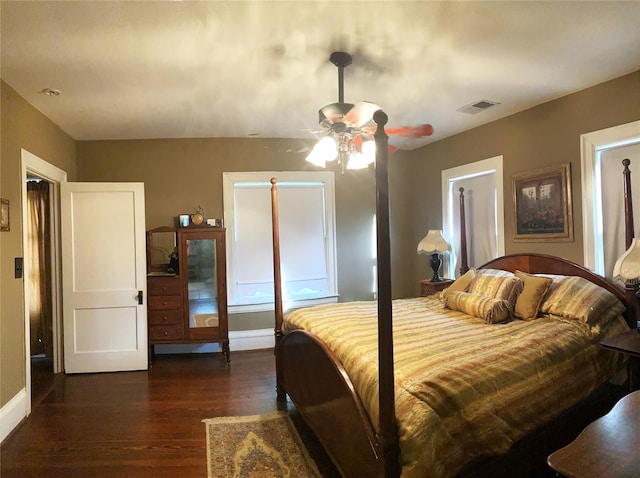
[(257, 446)]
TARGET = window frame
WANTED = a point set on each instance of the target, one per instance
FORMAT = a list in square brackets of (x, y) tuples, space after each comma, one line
[(591, 146), (450, 200), (327, 178)]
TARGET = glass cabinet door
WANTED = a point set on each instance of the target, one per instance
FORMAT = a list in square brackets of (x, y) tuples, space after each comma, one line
[(202, 286)]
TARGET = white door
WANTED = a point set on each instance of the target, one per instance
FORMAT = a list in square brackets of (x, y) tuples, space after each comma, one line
[(104, 277)]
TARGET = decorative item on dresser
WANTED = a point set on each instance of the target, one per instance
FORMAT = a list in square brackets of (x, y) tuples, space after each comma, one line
[(190, 304)]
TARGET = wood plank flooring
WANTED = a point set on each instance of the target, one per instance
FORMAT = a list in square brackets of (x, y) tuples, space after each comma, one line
[(143, 424)]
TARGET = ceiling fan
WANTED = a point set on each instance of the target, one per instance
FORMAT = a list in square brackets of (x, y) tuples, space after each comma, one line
[(348, 134)]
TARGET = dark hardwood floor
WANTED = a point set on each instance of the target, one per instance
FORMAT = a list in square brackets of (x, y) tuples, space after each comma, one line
[(147, 424), (143, 424)]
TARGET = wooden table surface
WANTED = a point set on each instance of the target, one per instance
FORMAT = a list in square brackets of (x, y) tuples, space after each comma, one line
[(607, 448)]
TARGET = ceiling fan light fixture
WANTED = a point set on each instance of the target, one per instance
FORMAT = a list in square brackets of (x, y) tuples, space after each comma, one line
[(369, 151), (324, 150), (357, 161)]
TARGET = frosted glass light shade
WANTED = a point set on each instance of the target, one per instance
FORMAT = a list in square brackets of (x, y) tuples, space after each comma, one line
[(324, 150), (369, 151)]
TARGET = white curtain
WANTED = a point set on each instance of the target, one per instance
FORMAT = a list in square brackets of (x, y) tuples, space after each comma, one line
[(612, 184), (40, 312), (480, 214)]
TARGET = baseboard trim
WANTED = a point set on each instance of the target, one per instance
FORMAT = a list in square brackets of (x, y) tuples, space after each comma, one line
[(251, 339), (14, 411)]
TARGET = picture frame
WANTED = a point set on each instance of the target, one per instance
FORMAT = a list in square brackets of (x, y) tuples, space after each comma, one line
[(542, 205), (4, 215)]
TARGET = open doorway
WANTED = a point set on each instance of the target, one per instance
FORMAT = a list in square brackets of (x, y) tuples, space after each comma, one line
[(38, 281), (42, 290)]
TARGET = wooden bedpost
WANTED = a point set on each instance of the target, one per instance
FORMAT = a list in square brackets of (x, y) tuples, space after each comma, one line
[(277, 283), (631, 289), (464, 265), (387, 430), (628, 204)]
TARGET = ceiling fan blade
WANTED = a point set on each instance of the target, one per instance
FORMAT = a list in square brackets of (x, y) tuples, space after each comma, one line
[(360, 114), (411, 131)]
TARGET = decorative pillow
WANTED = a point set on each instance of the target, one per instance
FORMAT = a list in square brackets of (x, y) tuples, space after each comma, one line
[(501, 285), (461, 283), (529, 300), (491, 310), (576, 298)]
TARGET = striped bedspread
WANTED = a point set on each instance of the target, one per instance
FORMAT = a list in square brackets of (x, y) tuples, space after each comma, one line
[(464, 388)]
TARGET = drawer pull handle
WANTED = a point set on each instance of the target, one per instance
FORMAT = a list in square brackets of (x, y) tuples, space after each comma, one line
[(165, 318), (166, 333), (164, 288), (164, 303)]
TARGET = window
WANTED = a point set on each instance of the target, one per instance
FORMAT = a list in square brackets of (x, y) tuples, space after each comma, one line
[(483, 185), (602, 193), (306, 215)]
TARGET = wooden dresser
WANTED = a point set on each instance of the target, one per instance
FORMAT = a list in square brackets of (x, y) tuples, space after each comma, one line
[(188, 305), (165, 316)]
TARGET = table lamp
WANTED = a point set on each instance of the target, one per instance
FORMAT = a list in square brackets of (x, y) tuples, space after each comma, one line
[(627, 270), (434, 243)]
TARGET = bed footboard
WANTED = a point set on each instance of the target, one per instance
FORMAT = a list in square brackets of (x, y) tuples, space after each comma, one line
[(322, 391)]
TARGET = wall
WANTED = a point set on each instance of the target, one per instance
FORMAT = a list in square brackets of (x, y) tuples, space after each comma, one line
[(544, 136), (181, 174), (23, 127)]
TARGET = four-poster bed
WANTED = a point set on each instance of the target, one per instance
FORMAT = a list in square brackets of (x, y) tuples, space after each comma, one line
[(354, 413)]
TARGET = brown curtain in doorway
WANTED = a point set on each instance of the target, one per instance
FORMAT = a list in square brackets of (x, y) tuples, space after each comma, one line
[(39, 254)]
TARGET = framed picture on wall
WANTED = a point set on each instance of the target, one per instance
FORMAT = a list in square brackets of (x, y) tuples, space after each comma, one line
[(542, 205), (4, 215)]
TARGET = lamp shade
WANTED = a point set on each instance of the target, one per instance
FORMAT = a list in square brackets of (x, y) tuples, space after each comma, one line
[(433, 242), (627, 267)]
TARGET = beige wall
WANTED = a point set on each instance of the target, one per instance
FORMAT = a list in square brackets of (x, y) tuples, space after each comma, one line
[(23, 127), (543, 136), (181, 174)]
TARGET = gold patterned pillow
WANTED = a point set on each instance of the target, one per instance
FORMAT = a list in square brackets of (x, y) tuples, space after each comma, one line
[(529, 300), (574, 297), (491, 310), (461, 283), (499, 285)]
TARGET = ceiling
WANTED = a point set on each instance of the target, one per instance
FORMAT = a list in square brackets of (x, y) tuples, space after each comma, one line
[(174, 69)]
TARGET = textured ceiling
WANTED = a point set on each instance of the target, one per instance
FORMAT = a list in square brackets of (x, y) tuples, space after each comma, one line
[(143, 69)]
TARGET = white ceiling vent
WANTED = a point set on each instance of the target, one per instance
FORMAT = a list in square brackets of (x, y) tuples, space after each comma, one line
[(478, 106)]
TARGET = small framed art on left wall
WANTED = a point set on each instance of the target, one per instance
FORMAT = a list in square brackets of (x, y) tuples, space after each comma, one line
[(4, 215)]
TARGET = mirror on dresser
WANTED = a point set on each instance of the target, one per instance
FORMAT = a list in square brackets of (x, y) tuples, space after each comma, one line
[(161, 244)]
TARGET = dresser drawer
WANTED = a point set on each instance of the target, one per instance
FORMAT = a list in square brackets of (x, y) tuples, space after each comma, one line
[(165, 302), (165, 317), (164, 286), (166, 332)]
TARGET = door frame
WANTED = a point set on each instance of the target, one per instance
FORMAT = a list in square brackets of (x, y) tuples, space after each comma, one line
[(32, 164)]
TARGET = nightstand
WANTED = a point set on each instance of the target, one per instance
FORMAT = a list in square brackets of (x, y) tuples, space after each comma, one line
[(628, 344), (428, 287)]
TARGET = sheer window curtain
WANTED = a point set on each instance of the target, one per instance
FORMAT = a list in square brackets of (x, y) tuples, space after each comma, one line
[(40, 313), (613, 241)]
